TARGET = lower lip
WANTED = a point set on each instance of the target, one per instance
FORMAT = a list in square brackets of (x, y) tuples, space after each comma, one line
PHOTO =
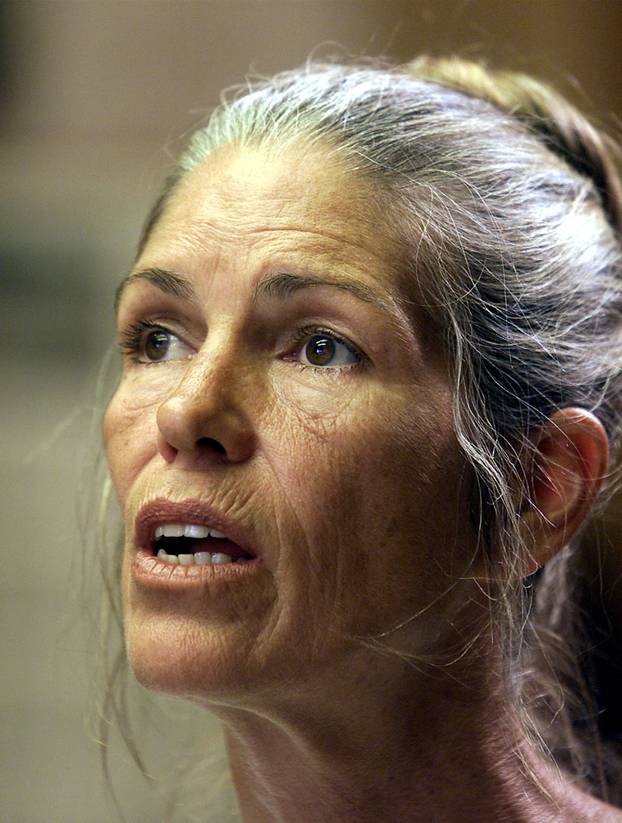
[(152, 573)]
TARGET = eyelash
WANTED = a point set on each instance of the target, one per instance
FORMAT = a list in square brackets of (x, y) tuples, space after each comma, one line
[(132, 338), (307, 332)]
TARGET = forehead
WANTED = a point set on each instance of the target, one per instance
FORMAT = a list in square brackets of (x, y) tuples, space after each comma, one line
[(299, 199)]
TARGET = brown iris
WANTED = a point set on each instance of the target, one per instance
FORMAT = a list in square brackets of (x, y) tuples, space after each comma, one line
[(320, 350), (157, 344)]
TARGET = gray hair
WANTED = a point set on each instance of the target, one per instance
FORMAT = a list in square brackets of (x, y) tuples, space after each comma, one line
[(507, 205)]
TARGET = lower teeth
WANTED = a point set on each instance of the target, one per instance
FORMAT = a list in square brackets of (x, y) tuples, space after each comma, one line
[(198, 559)]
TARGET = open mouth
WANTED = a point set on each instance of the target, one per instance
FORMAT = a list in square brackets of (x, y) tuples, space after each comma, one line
[(192, 544)]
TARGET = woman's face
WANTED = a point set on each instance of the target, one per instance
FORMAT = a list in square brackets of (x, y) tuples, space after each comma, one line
[(278, 387)]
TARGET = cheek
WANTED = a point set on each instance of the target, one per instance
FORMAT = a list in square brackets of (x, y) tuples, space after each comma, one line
[(375, 488), (379, 446), (130, 438)]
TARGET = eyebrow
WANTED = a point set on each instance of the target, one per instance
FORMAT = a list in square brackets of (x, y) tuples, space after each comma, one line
[(284, 284), (167, 281), (279, 285)]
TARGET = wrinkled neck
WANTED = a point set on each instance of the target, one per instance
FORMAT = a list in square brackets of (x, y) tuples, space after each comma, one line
[(391, 743)]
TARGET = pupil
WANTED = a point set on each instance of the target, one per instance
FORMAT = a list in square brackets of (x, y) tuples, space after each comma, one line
[(320, 350), (156, 345)]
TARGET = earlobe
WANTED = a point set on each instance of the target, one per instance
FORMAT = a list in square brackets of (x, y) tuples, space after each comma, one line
[(566, 471)]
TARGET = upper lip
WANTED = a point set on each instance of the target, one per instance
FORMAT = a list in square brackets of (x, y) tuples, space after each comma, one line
[(161, 511)]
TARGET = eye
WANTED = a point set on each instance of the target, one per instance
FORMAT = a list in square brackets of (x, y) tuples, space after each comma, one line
[(328, 350), (157, 345), (150, 343)]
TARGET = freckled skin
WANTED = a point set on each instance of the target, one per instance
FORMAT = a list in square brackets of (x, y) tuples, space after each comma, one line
[(349, 481)]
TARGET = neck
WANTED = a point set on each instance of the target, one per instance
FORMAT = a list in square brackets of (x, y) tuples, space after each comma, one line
[(419, 748)]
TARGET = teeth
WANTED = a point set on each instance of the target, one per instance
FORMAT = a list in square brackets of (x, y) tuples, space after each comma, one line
[(186, 559), (219, 557), (197, 532), (202, 558), (186, 530), (169, 530), (199, 559)]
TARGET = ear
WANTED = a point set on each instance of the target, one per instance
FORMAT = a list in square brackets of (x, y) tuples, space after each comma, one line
[(565, 473)]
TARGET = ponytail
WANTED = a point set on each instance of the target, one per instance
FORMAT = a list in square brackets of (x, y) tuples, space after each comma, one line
[(564, 129)]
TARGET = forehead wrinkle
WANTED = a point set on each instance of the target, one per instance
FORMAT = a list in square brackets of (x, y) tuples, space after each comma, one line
[(340, 247), (338, 251), (212, 238), (283, 283), (223, 215), (357, 239), (205, 229)]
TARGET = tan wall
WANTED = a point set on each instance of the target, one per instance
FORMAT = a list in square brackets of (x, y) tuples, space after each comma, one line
[(137, 68)]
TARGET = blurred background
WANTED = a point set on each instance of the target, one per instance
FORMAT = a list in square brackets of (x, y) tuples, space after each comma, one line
[(94, 99)]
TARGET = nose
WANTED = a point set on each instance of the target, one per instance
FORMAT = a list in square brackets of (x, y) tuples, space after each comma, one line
[(203, 420)]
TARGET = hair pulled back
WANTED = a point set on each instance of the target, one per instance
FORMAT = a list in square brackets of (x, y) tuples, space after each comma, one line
[(509, 210)]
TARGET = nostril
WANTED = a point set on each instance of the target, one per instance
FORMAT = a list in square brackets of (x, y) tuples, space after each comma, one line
[(209, 444)]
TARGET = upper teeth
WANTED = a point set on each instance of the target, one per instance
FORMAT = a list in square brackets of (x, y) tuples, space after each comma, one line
[(186, 530)]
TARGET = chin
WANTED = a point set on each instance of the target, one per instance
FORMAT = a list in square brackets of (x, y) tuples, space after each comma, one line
[(190, 646), (167, 655), (223, 664), (226, 665)]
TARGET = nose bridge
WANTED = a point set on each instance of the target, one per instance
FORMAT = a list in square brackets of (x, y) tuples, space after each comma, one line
[(214, 377), (209, 408)]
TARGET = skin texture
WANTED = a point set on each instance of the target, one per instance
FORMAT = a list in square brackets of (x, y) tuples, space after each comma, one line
[(348, 481)]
